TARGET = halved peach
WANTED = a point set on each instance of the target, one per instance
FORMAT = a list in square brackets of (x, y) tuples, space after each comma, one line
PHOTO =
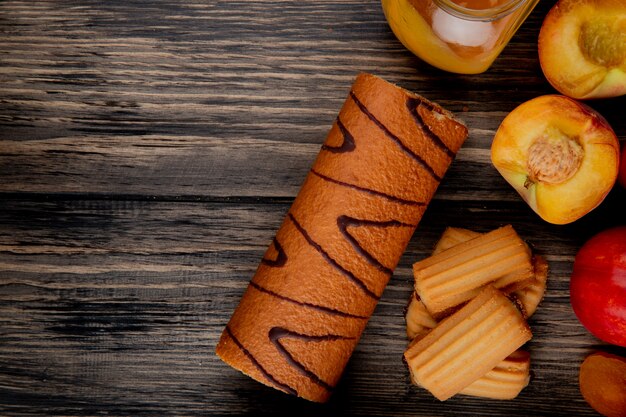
[(561, 156), (602, 382), (582, 48)]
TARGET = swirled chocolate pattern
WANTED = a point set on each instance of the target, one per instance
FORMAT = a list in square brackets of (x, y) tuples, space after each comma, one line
[(342, 237)]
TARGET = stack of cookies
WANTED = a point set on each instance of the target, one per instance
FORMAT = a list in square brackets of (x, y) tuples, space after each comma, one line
[(467, 317)]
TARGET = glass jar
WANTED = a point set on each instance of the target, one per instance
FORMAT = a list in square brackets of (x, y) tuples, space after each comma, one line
[(462, 36)]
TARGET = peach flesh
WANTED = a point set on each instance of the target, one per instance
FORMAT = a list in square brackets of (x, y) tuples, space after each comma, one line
[(582, 48), (602, 42), (559, 155)]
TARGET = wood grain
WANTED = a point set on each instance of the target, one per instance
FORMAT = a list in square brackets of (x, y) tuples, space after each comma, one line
[(135, 294), (149, 151)]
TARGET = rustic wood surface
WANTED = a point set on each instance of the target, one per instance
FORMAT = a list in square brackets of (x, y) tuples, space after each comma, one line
[(149, 151)]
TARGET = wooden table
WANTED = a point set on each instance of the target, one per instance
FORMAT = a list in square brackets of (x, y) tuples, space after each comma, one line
[(149, 151)]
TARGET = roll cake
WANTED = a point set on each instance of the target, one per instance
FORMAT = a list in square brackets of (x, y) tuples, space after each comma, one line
[(321, 277)]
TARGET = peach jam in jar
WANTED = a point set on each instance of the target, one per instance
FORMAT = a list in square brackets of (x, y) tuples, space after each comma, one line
[(462, 36)]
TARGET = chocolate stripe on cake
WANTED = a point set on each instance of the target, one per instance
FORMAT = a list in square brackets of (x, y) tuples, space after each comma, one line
[(396, 139), (267, 375), (412, 104), (370, 191), (347, 145), (309, 305), (277, 333), (331, 261), (344, 221), (430, 106), (281, 258)]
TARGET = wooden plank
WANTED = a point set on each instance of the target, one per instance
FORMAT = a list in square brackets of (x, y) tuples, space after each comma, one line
[(203, 98), (200, 166), (116, 306)]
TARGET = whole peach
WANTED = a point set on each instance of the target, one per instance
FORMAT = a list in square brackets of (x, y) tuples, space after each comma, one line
[(598, 285)]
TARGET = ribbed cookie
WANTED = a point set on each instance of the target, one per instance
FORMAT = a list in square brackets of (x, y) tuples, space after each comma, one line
[(468, 344), (456, 275)]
